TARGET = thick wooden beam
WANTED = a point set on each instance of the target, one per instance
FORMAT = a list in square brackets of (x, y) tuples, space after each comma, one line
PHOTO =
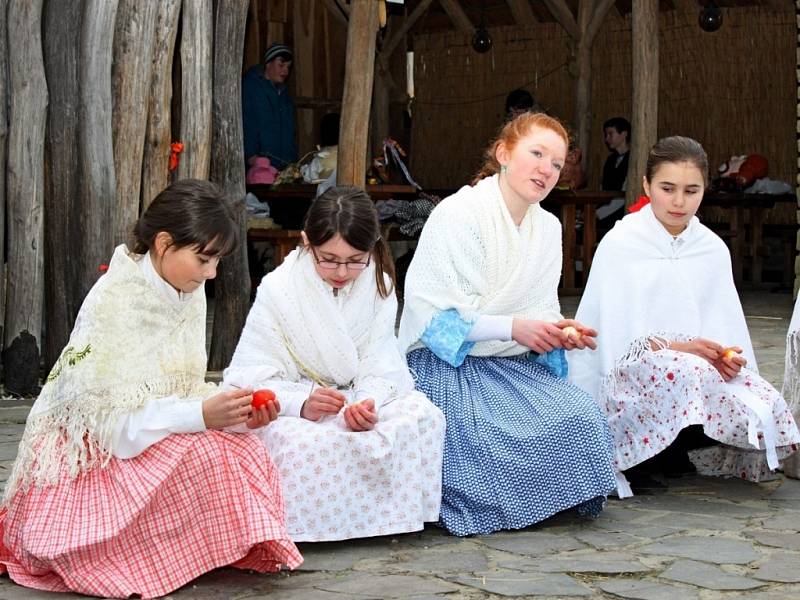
[(155, 173), (601, 9), (27, 117), (644, 121), (336, 10), (232, 286), (522, 12), (197, 38), (357, 97), (400, 34), (130, 82), (564, 16), (458, 16), (98, 196), (62, 27), (3, 153)]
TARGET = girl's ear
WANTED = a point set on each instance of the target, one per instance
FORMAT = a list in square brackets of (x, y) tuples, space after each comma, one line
[(304, 239), (646, 186), (162, 241)]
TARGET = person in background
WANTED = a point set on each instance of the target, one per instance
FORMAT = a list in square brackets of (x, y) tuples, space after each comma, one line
[(268, 119), (617, 136), (519, 101)]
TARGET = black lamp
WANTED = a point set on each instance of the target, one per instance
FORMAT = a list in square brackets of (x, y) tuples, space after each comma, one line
[(481, 40), (710, 17)]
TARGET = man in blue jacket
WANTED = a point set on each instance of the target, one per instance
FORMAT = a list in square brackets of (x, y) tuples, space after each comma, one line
[(267, 109)]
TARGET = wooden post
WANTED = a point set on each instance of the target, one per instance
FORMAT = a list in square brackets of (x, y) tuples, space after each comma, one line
[(303, 69), (130, 83), (27, 116), (277, 16), (591, 14), (644, 123), (62, 27), (98, 181), (197, 33), (232, 286), (357, 97), (155, 173), (3, 153)]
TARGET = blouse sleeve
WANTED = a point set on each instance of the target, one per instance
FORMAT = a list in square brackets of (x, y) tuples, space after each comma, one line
[(133, 433)]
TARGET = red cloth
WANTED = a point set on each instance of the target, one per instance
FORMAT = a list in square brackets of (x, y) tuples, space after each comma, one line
[(150, 524), (640, 203)]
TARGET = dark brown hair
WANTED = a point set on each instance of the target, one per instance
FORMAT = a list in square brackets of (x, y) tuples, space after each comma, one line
[(350, 212), (194, 213), (511, 133), (676, 149)]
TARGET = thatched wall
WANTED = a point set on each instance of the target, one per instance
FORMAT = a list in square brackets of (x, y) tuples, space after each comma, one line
[(733, 90)]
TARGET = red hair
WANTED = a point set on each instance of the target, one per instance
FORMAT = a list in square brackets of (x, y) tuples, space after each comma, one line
[(511, 133)]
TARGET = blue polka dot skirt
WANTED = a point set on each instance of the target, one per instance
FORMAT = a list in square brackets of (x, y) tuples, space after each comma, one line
[(520, 444)]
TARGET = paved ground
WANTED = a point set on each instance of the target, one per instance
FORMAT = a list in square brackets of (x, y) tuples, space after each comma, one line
[(702, 538)]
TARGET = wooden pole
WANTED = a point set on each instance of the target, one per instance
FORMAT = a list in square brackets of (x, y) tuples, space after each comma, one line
[(304, 70), (3, 153), (357, 96), (98, 195), (130, 83), (155, 173), (62, 26), (197, 33), (232, 286), (27, 117), (644, 124)]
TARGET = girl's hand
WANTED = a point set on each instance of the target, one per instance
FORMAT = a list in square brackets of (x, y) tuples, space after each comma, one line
[(730, 362), (576, 335), (322, 402), (361, 416), (264, 415), (227, 408), (539, 336), (703, 348)]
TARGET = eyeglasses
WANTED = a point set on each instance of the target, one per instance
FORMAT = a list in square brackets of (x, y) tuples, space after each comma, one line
[(334, 264)]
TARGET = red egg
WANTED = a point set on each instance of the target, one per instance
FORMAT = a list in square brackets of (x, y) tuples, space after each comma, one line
[(262, 398)]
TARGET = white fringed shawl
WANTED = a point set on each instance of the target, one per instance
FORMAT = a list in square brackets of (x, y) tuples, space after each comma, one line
[(791, 383), (473, 258), (298, 331), (641, 290), (129, 345)]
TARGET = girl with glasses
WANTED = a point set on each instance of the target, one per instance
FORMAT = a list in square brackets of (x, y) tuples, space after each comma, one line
[(358, 449)]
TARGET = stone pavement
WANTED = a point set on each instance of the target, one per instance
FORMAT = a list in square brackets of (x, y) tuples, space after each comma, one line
[(702, 538)]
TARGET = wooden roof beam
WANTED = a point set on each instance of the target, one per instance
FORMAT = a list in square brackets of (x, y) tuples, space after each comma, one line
[(336, 10), (564, 15), (522, 12), (398, 36), (458, 16)]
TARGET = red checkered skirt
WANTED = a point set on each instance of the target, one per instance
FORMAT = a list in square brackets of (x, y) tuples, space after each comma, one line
[(148, 525)]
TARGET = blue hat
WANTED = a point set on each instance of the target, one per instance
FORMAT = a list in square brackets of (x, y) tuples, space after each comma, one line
[(278, 51)]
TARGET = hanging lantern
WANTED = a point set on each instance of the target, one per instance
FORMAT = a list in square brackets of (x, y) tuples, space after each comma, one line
[(481, 41), (710, 17)]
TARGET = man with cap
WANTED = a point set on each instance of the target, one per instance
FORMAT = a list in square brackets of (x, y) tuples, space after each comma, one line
[(267, 109)]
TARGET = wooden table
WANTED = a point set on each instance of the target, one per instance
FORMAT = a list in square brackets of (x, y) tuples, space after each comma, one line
[(738, 205), (568, 203)]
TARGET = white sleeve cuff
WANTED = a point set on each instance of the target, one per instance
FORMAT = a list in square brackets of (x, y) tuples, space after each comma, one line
[(491, 327)]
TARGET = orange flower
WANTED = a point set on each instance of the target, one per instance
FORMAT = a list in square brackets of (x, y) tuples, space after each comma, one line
[(175, 149)]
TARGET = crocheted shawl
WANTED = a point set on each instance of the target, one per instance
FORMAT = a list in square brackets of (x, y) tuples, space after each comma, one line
[(472, 257), (129, 344), (297, 331), (645, 288), (791, 383)]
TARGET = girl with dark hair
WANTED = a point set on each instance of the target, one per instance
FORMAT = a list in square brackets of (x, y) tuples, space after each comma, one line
[(358, 449), (673, 347), (486, 339), (125, 483)]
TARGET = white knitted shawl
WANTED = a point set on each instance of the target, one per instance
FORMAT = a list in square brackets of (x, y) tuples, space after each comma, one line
[(641, 290), (791, 383), (129, 345), (297, 331), (473, 258)]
